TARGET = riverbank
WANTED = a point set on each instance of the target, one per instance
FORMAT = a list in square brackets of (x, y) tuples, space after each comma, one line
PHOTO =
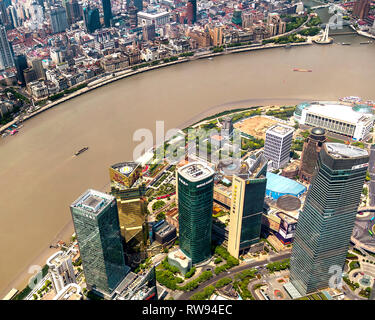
[(119, 75)]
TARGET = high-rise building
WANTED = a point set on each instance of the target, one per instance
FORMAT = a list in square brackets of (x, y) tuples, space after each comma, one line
[(133, 18), (59, 20), (13, 16), (277, 145), (237, 17), (68, 8), (361, 8), (195, 186), (107, 11), (21, 64), (61, 270), (248, 192), (6, 51), (372, 294), (192, 11), (4, 17), (327, 219), (97, 228), (311, 149), (127, 187), (38, 67), (91, 18)]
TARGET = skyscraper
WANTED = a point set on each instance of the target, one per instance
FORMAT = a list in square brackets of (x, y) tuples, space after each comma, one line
[(327, 219), (21, 64), (195, 199), (97, 228), (248, 192), (91, 18), (76, 10), (311, 149), (6, 52), (107, 11), (277, 145), (59, 20), (129, 191)]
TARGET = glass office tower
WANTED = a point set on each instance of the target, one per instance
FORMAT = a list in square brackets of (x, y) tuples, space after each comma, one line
[(195, 200), (97, 228), (326, 222)]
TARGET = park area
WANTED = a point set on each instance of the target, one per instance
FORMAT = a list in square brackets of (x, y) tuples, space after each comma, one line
[(255, 126)]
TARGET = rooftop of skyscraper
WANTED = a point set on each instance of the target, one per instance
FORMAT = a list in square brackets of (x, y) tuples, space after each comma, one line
[(196, 171), (339, 150), (92, 201)]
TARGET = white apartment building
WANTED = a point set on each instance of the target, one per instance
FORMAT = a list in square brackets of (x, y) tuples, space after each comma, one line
[(277, 145)]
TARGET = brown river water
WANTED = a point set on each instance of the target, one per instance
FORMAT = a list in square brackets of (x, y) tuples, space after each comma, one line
[(39, 177)]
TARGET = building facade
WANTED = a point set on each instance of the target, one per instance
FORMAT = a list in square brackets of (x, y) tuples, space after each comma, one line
[(107, 11), (127, 187), (61, 270), (159, 19), (338, 118), (327, 219), (97, 228), (248, 192), (361, 8), (195, 186), (277, 145)]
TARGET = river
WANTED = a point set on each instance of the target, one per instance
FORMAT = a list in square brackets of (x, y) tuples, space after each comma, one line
[(39, 177)]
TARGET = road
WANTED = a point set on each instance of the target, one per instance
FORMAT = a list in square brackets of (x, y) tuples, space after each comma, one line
[(233, 271)]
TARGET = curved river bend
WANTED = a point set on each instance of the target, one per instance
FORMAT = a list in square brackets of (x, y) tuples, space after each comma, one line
[(39, 177)]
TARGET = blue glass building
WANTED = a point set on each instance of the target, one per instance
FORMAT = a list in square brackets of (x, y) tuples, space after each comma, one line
[(327, 219)]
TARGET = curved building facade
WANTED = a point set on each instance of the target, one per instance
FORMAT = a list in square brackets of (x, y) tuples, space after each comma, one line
[(195, 200)]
